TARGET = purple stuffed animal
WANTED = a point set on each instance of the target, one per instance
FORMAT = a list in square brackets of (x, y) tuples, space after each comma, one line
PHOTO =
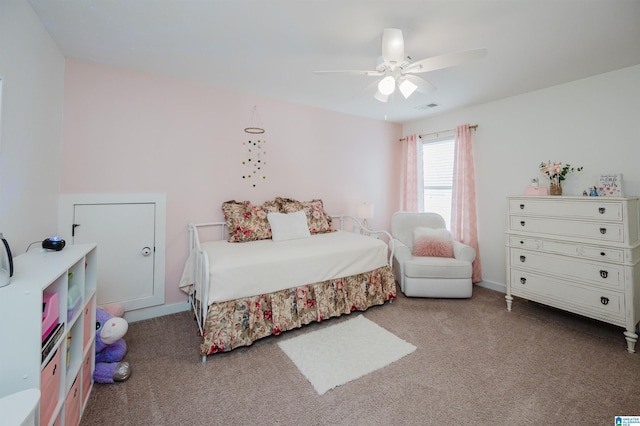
[(110, 348)]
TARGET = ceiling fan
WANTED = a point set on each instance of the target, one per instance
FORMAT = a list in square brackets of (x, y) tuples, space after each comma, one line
[(399, 71)]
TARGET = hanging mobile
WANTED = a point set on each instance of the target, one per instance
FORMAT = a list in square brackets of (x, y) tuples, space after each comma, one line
[(255, 149), (255, 125)]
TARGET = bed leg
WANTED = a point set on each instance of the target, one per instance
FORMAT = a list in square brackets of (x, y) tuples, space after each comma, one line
[(204, 359)]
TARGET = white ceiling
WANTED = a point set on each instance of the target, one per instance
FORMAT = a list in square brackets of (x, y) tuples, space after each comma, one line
[(271, 48)]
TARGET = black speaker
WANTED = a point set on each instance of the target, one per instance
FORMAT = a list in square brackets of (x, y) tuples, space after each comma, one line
[(53, 243)]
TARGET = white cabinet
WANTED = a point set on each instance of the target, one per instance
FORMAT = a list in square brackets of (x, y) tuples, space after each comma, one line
[(580, 254), (50, 285), (130, 231)]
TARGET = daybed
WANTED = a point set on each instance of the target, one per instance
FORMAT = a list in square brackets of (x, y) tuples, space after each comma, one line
[(253, 281)]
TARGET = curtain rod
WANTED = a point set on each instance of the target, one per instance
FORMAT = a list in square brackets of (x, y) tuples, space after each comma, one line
[(473, 127)]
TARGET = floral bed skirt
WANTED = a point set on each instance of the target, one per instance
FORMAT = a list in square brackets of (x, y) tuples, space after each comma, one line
[(243, 321)]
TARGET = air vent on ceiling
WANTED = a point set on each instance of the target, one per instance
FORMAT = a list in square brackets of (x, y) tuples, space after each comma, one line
[(427, 106)]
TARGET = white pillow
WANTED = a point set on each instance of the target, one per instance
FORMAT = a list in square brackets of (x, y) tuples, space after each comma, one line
[(288, 226)]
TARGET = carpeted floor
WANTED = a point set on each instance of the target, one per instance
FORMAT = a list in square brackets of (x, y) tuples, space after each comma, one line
[(475, 363)]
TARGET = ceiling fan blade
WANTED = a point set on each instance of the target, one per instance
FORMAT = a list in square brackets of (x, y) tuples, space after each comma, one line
[(423, 85), (372, 88), (445, 61), (352, 72), (392, 45)]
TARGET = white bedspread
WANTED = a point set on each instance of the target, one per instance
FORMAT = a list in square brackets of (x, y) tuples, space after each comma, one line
[(258, 267)]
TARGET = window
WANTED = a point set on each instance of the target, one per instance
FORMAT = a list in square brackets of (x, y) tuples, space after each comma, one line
[(437, 167)]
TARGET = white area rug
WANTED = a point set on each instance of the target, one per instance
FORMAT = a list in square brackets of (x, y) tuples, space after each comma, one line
[(343, 352)]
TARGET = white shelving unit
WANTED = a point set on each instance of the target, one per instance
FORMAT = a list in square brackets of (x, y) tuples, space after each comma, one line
[(64, 375)]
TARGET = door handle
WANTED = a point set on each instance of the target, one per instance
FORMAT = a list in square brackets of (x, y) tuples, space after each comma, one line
[(146, 251)]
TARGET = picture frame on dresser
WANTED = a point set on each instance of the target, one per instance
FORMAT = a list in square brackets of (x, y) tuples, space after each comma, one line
[(610, 185), (578, 254)]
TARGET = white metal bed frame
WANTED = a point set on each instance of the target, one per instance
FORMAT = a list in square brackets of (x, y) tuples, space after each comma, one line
[(200, 289)]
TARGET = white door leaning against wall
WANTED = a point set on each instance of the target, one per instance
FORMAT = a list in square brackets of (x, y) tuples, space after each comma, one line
[(125, 233)]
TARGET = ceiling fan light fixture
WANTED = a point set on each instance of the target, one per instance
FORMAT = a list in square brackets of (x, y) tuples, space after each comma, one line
[(381, 97), (394, 68), (407, 88), (387, 85)]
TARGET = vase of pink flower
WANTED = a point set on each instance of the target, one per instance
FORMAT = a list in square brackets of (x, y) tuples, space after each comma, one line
[(557, 172)]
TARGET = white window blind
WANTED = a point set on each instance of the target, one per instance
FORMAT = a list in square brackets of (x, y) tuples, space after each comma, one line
[(437, 169)]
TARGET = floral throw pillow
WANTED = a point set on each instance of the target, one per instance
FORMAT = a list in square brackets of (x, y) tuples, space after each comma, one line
[(432, 242), (247, 222), (318, 220)]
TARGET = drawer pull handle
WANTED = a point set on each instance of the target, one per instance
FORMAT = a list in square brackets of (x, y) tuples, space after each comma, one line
[(521, 206), (523, 280), (521, 242), (522, 223), (604, 300), (601, 210), (603, 231), (523, 258), (603, 253), (604, 273)]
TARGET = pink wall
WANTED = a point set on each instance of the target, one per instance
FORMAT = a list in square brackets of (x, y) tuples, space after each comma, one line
[(131, 132)]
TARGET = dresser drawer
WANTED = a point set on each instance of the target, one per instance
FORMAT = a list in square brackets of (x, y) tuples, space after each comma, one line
[(597, 273), (602, 253), (559, 247), (587, 209), (603, 304), (606, 254), (524, 242), (602, 231)]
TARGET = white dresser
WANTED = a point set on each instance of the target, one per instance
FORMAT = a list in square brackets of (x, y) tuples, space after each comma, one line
[(580, 254)]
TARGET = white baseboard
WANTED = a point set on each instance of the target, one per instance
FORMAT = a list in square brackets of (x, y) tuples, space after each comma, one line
[(502, 288), (155, 311)]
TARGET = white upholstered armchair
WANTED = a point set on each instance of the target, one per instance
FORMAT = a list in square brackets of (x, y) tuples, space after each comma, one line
[(427, 261)]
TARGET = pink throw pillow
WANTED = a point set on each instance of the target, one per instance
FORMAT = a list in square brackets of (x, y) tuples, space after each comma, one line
[(432, 242)]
